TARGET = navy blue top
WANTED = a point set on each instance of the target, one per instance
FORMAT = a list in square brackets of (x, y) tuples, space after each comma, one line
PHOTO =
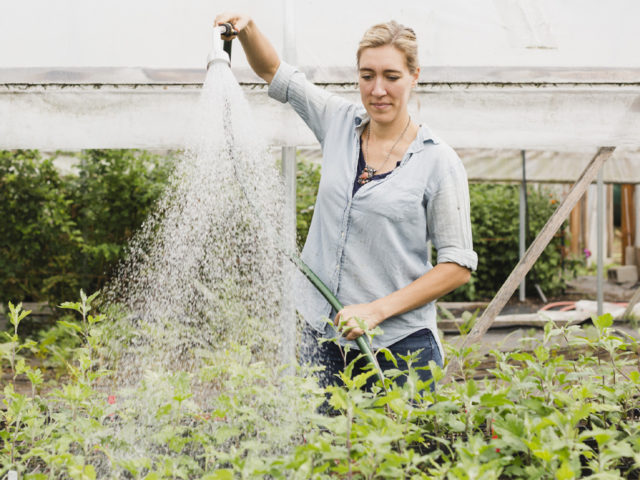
[(361, 165)]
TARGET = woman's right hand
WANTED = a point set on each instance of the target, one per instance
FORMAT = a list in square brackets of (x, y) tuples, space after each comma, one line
[(238, 20), (259, 51)]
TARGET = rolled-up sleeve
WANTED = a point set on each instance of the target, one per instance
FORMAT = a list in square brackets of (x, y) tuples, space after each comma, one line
[(315, 105), (449, 219)]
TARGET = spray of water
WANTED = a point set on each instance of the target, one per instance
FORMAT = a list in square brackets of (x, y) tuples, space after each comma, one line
[(206, 273), (206, 269)]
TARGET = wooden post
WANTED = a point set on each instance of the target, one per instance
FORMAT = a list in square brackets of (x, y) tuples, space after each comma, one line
[(533, 253), (637, 222), (574, 228), (627, 214), (610, 226), (584, 203)]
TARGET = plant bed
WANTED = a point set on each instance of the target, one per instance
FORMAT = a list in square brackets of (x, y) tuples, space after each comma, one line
[(548, 410)]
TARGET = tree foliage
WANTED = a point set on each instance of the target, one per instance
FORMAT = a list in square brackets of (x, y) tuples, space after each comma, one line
[(61, 232)]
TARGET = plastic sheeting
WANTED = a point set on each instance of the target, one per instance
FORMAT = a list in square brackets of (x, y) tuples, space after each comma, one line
[(170, 34)]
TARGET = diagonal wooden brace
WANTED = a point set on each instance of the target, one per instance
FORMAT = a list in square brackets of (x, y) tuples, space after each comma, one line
[(632, 303), (532, 254)]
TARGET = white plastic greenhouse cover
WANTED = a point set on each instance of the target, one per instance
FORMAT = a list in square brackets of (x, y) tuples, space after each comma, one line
[(498, 74), (175, 34)]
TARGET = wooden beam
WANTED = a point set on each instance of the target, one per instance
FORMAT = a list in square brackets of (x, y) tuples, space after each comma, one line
[(632, 303), (525, 320), (533, 253)]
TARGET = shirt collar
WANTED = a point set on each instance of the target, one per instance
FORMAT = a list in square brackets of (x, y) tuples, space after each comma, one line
[(424, 133)]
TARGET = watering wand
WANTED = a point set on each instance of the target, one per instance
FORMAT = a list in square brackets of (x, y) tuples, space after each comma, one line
[(221, 53)]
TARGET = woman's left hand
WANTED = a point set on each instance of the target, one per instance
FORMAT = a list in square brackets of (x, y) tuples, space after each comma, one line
[(347, 323)]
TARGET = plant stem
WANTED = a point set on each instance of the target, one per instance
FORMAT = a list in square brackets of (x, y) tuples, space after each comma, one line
[(349, 420)]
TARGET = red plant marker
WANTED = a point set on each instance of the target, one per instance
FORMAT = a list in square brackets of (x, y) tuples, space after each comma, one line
[(111, 399), (494, 435)]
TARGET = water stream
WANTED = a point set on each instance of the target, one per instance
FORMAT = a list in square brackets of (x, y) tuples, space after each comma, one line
[(205, 274)]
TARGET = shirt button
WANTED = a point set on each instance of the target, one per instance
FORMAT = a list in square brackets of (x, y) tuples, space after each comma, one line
[(342, 234)]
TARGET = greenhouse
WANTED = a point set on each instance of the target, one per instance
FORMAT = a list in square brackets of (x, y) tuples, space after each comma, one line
[(156, 197)]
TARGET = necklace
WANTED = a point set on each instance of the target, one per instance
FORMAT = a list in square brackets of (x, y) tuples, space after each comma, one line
[(368, 172)]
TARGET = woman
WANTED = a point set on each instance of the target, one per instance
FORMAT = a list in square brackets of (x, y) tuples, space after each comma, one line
[(388, 186)]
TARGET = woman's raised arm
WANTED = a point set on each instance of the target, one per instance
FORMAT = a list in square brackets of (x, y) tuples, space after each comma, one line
[(259, 51)]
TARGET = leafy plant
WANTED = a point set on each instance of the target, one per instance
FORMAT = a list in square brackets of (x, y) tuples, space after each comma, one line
[(113, 193), (564, 405), (38, 236), (308, 179), (60, 232), (495, 228)]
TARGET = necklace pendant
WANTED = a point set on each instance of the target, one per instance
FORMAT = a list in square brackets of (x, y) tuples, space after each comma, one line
[(366, 175)]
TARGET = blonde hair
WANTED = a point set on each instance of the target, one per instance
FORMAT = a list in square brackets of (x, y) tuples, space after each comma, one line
[(394, 34)]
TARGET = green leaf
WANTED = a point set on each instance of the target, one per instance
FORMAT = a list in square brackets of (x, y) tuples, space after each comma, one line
[(71, 306), (389, 356), (72, 326), (565, 472), (163, 410), (21, 366), (16, 314), (436, 371), (82, 472), (472, 388), (599, 435), (92, 297), (542, 353), (222, 474), (95, 319), (603, 321), (35, 376), (492, 400)]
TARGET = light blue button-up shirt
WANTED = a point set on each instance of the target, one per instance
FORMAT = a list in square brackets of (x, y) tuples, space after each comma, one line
[(366, 246)]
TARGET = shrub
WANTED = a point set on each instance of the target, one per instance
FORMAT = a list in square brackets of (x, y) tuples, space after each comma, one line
[(39, 237), (61, 233), (308, 179), (495, 227), (113, 193)]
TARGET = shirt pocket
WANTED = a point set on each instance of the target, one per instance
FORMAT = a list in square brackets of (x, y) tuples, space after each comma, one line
[(396, 204)]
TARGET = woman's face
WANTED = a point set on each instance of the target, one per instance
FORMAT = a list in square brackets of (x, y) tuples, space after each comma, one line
[(385, 83)]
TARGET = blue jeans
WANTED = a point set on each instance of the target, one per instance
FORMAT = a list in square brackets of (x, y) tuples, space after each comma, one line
[(328, 355)]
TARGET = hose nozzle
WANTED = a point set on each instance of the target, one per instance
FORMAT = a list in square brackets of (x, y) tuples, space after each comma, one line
[(218, 52)]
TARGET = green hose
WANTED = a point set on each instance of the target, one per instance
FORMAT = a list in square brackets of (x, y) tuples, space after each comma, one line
[(337, 306)]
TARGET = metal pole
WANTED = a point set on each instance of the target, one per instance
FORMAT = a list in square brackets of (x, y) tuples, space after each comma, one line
[(523, 219), (600, 234), (636, 245), (289, 176), (289, 33), (637, 219), (289, 151)]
